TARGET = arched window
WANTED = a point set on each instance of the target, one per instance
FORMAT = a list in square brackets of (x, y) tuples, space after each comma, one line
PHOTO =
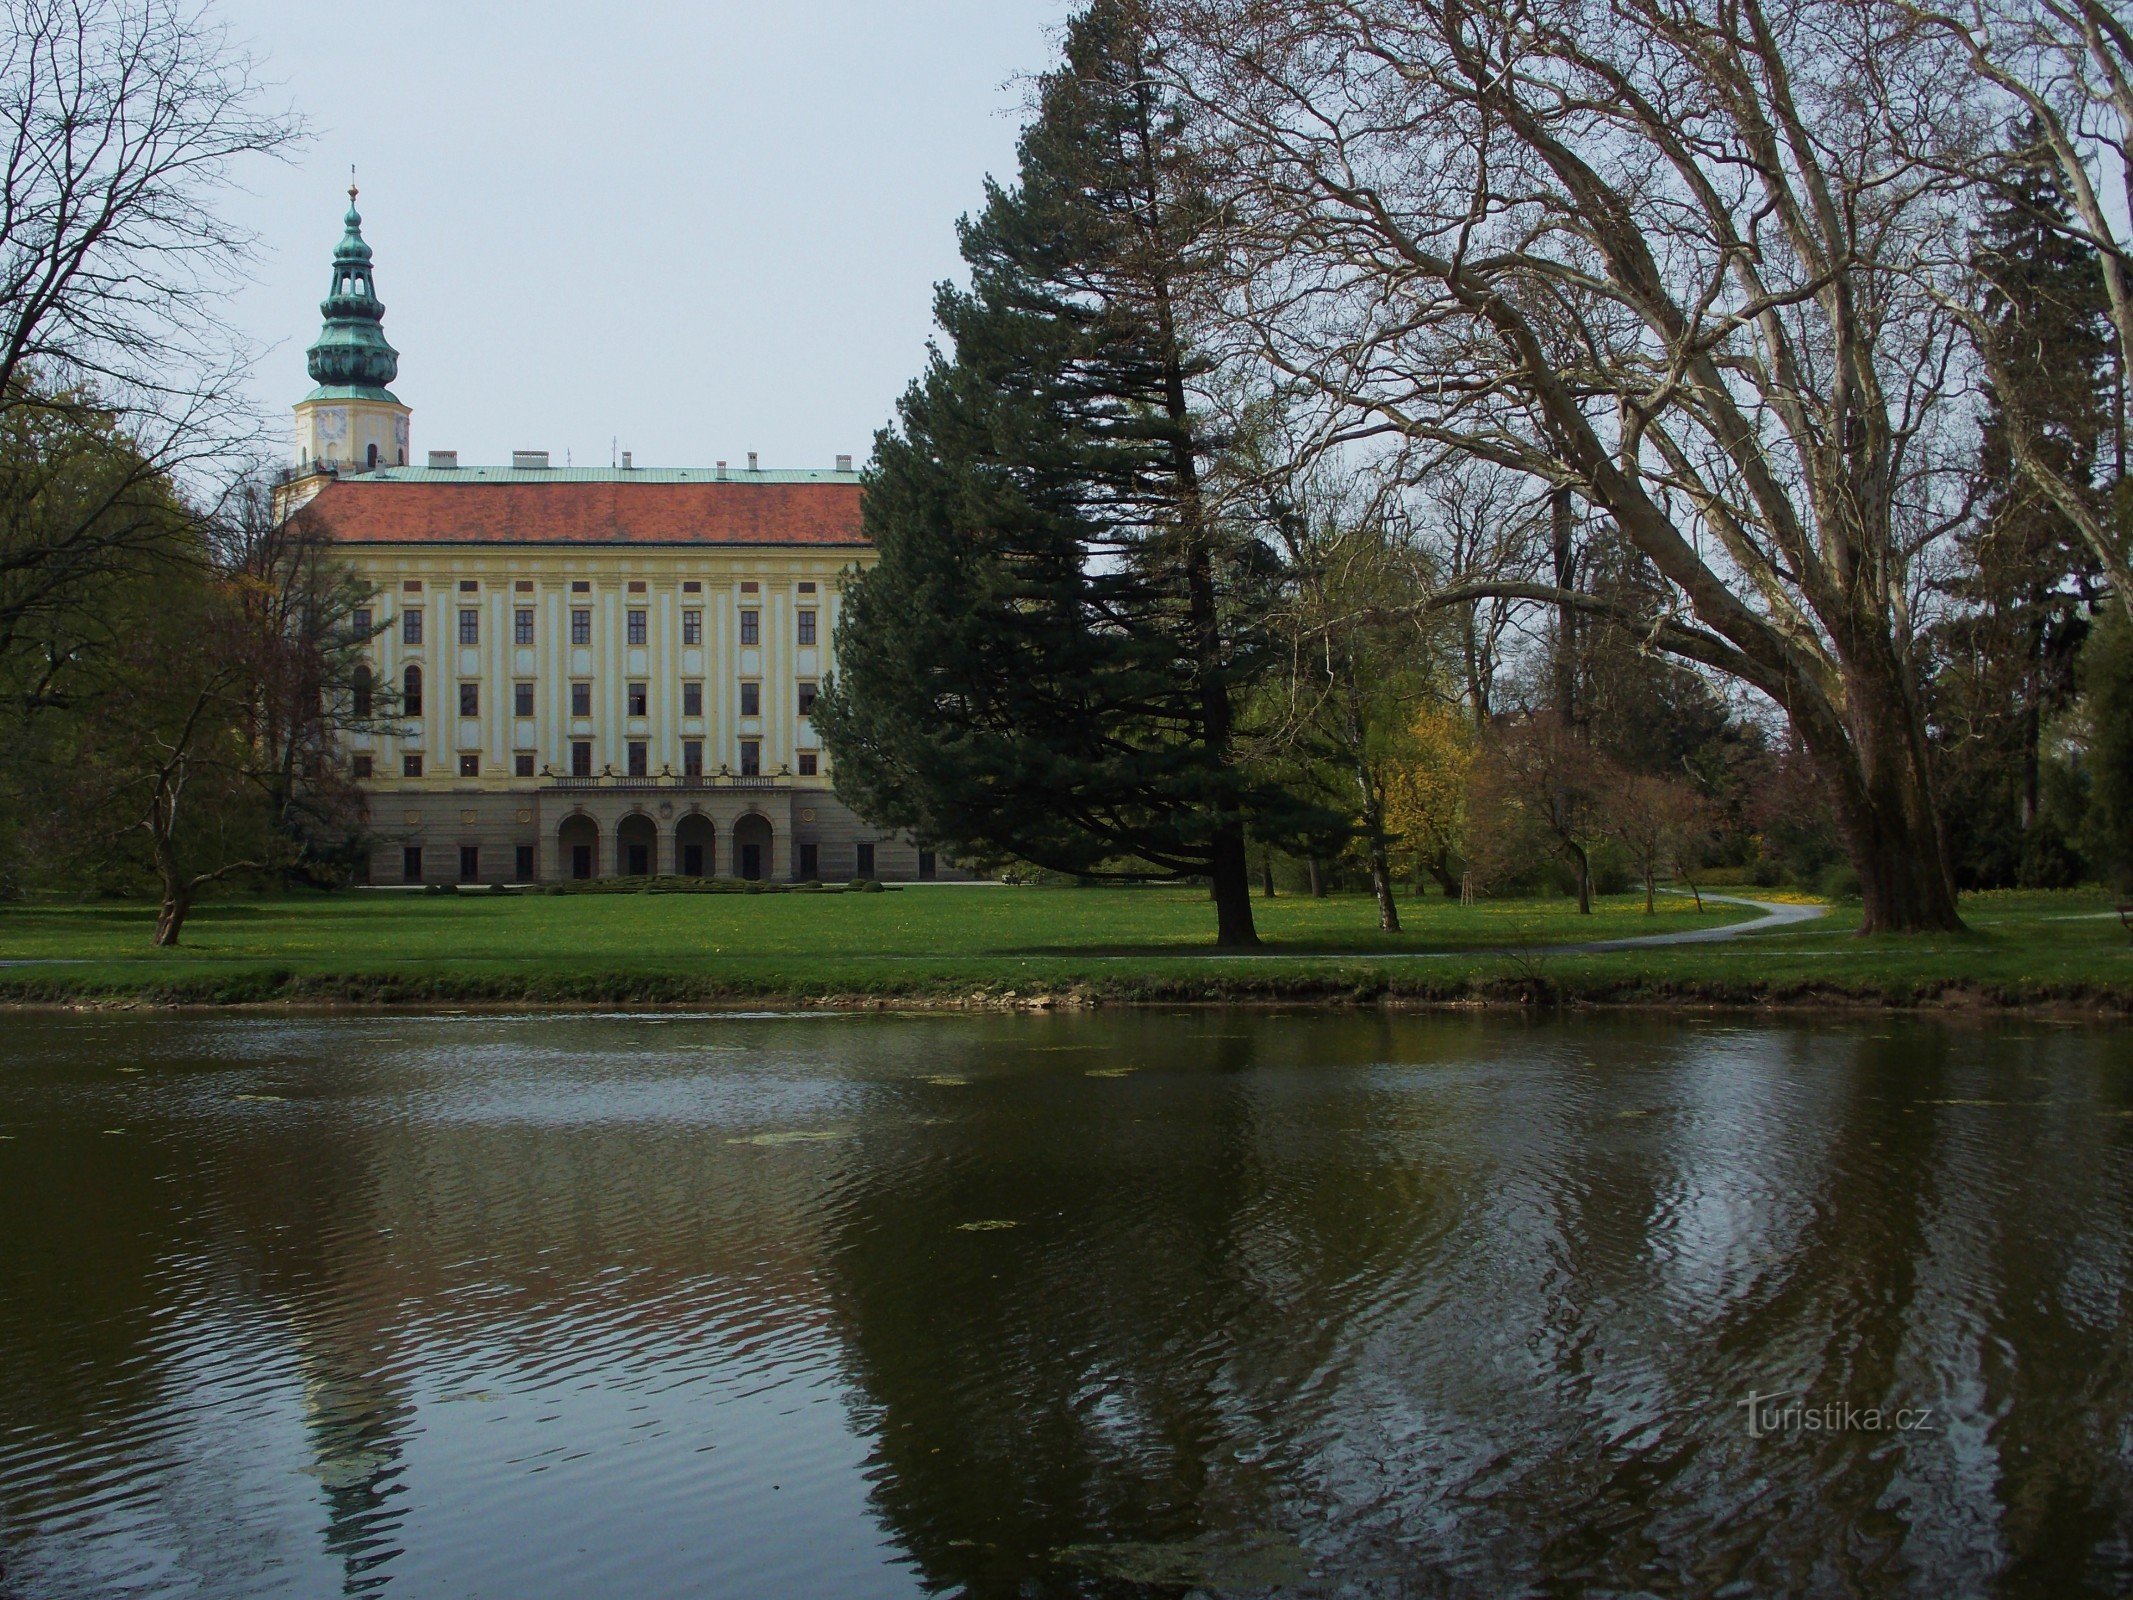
[(374, 458), (411, 692), (362, 691)]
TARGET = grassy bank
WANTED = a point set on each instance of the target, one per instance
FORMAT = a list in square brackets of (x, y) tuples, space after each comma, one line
[(946, 944)]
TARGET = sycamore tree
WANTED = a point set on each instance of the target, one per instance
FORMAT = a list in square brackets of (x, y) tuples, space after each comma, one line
[(1050, 658), (1675, 260)]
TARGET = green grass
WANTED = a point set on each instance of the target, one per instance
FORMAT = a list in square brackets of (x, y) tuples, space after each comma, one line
[(951, 943)]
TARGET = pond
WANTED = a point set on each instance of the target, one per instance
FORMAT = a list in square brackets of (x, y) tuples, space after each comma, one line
[(1111, 1304)]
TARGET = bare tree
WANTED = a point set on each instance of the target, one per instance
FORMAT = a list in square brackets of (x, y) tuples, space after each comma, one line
[(124, 122), (1664, 255), (2065, 69), (1539, 784)]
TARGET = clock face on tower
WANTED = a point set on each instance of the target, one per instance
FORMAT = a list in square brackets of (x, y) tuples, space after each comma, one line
[(332, 428)]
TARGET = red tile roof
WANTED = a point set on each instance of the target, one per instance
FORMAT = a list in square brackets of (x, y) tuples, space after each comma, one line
[(359, 511)]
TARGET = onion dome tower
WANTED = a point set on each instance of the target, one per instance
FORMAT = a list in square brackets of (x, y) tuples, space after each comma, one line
[(351, 422)]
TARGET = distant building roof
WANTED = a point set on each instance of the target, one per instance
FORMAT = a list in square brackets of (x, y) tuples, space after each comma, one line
[(590, 506)]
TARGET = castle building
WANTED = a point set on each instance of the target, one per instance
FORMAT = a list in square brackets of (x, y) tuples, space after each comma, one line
[(591, 672)]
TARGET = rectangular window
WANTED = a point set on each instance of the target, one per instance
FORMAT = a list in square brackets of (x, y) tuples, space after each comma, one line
[(411, 764), (580, 586), (469, 625), (522, 764), (411, 864), (637, 758), (581, 699), (470, 586), (636, 625), (362, 622), (693, 586), (523, 586), (751, 758), (751, 626), (692, 699), (522, 863), (692, 758), (638, 699), (470, 699), (522, 699), (469, 764), (807, 588), (863, 866), (522, 625), (411, 627), (359, 766), (810, 861), (809, 763), (808, 693), (581, 758), (470, 863), (807, 627), (751, 699), (925, 866), (692, 627), (581, 626)]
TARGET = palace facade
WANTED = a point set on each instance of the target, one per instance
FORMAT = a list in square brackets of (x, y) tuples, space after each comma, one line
[(591, 672)]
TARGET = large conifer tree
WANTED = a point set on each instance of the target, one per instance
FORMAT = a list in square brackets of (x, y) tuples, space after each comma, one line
[(1046, 660)]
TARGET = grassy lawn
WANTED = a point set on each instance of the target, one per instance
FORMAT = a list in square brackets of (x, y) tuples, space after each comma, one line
[(944, 941)]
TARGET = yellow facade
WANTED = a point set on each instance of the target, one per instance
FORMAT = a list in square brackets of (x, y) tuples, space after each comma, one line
[(461, 590)]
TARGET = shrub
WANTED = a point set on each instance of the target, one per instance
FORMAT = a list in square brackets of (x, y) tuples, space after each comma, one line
[(1839, 882), (864, 886)]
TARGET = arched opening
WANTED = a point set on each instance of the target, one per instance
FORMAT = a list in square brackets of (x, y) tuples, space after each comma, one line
[(411, 692), (751, 847), (579, 839), (695, 855), (373, 458), (360, 691), (636, 845)]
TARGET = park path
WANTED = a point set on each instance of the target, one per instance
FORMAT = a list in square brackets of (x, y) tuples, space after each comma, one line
[(1775, 914)]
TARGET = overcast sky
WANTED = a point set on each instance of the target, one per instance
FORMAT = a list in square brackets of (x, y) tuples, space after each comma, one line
[(684, 230)]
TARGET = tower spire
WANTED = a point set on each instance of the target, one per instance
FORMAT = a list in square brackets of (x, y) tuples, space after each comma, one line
[(351, 351), (352, 419)]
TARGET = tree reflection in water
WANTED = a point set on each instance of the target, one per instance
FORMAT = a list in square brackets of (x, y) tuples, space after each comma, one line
[(1077, 1305)]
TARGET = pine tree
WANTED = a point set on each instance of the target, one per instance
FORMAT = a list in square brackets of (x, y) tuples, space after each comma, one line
[(1046, 661), (2007, 664)]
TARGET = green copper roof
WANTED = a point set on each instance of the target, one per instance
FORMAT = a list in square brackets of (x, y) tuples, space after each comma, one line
[(351, 351)]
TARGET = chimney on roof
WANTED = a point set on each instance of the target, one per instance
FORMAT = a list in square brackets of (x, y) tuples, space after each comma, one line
[(444, 458), (751, 462), (523, 459), (844, 463), (625, 461), (722, 472)]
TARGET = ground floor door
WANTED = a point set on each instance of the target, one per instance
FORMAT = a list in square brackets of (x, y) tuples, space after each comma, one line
[(751, 862), (581, 861)]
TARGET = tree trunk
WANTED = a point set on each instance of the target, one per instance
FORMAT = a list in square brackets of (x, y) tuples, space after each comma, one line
[(1879, 779), (170, 919), (1266, 868), (1381, 881), (1583, 863), (1650, 909), (1440, 868), (1231, 872), (1318, 879)]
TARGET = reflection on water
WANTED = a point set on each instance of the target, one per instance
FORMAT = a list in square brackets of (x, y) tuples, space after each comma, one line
[(1061, 1306)]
